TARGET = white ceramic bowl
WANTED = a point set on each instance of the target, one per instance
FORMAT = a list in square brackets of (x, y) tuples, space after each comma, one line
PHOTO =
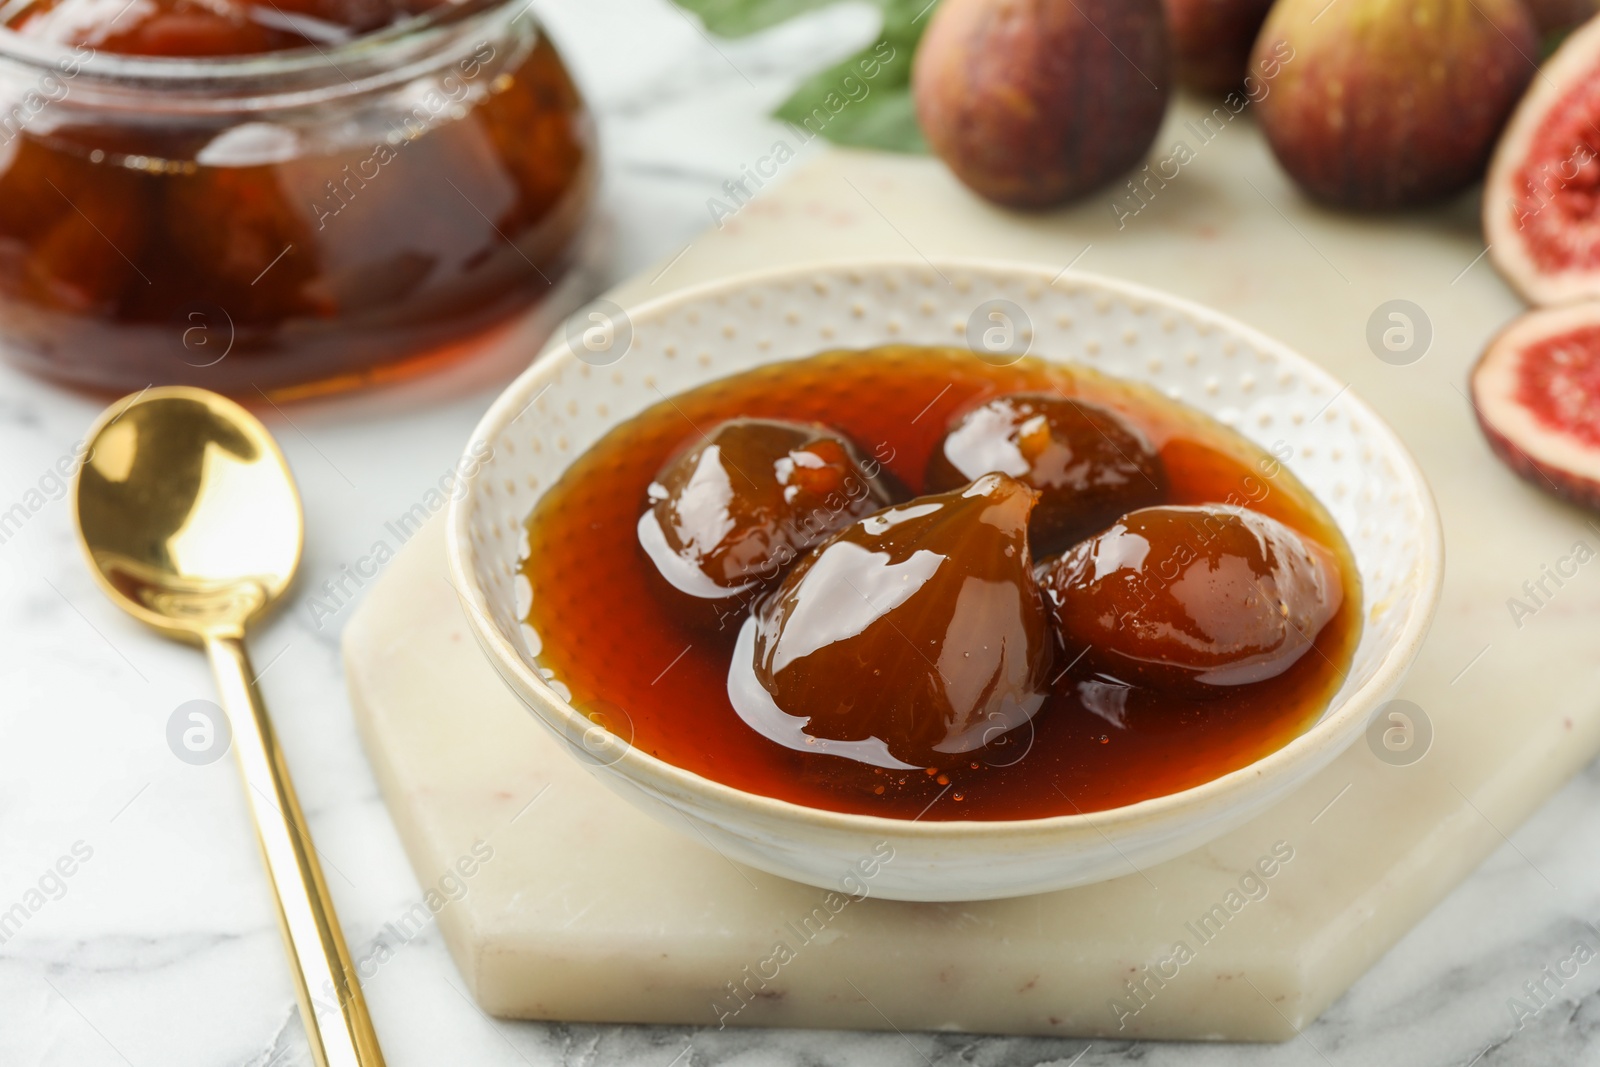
[(1341, 451)]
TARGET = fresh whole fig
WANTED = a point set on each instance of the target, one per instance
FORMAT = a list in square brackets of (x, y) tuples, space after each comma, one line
[(1384, 104), (1035, 102), (1211, 41)]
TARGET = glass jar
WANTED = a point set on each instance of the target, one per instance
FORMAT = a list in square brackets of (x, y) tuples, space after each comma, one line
[(290, 221)]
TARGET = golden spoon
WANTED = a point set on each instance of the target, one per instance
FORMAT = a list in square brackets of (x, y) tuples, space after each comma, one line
[(191, 523)]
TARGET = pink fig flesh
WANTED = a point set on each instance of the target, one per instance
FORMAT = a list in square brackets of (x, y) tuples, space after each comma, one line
[(1539, 203), (1536, 392)]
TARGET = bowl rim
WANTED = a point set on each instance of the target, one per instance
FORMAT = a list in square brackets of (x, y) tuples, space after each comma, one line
[(1334, 728)]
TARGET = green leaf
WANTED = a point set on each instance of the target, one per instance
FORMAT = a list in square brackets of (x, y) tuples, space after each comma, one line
[(739, 18), (890, 124), (864, 100)]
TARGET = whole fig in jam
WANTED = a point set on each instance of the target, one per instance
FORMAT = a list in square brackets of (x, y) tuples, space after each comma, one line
[(1088, 463), (907, 639), (1193, 599), (727, 517), (209, 27)]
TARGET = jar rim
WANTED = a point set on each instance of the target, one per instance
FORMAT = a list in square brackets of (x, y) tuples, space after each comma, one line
[(364, 63)]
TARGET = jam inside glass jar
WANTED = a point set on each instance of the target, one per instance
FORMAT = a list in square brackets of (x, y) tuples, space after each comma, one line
[(296, 195)]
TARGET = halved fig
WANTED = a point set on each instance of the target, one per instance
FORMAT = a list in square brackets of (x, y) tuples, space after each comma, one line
[(1539, 202), (910, 637), (1536, 391)]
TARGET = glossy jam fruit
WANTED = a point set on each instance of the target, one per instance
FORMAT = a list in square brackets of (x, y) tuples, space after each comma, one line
[(726, 518), (208, 27), (341, 236), (628, 660), (912, 637), (1199, 600), (1087, 462)]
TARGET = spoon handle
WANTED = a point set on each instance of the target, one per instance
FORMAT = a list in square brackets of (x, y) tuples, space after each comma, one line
[(338, 1027)]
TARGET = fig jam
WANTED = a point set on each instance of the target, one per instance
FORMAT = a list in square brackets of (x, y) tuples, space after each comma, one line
[(624, 655), (284, 197), (207, 27)]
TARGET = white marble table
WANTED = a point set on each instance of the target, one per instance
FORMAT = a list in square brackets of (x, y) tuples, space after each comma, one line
[(159, 950)]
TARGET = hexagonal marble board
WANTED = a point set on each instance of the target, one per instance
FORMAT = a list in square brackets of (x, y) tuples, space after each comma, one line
[(590, 911)]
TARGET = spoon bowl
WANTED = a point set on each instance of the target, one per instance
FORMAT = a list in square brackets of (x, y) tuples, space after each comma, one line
[(188, 512)]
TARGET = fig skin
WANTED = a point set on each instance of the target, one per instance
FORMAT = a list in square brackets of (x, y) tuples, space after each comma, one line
[(1193, 600), (1388, 104), (1559, 16), (908, 639), (1032, 103), (1212, 40), (1088, 464), (725, 518)]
